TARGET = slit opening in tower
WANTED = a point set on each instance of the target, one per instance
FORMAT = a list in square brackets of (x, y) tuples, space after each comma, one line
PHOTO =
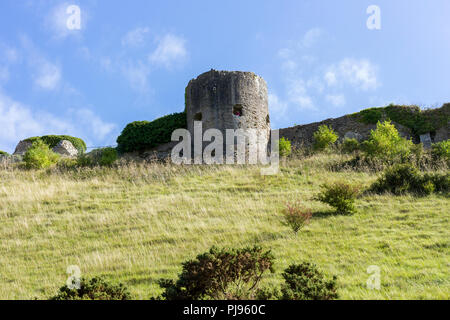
[(237, 110), (267, 119), (198, 116)]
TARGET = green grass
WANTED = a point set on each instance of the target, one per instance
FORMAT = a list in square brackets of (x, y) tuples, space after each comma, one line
[(137, 223)]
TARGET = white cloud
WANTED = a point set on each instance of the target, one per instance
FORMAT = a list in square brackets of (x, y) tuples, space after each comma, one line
[(137, 75), (8, 57), (170, 50), (277, 108), (298, 95), (315, 83), (8, 54), (56, 21), (135, 38), (361, 74), (93, 123), (18, 121), (311, 37), (285, 53), (330, 78), (337, 100), (47, 76)]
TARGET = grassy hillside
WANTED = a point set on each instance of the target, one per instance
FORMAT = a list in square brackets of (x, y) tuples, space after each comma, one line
[(137, 223)]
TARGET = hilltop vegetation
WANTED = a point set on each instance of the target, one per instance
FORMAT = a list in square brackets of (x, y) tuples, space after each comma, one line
[(412, 117), (52, 141), (142, 135)]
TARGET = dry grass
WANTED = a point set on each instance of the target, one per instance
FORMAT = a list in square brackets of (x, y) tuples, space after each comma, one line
[(137, 223)]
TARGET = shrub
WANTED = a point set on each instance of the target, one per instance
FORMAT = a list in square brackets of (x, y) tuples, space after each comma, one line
[(53, 140), (67, 163), (339, 195), (305, 282), (441, 150), (220, 274), (271, 293), (109, 155), (405, 178), (386, 144), (398, 179), (3, 153), (349, 145), (284, 147), (39, 156), (417, 153), (371, 115), (296, 216), (324, 137), (93, 289), (141, 135), (84, 160), (441, 182), (419, 121)]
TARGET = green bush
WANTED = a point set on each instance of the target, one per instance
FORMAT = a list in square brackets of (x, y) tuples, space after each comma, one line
[(419, 121), (305, 282), (284, 147), (84, 160), (441, 150), (339, 195), (405, 178), (67, 163), (39, 156), (296, 216), (386, 144), (3, 153), (142, 135), (441, 182), (350, 145), (220, 274), (53, 140), (108, 157), (371, 115), (324, 137), (93, 289)]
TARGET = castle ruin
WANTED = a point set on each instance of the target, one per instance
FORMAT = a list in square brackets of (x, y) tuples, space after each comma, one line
[(229, 100)]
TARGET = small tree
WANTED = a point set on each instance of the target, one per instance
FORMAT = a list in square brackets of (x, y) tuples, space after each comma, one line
[(39, 156), (324, 137), (386, 144), (341, 196), (284, 147), (305, 282), (296, 216)]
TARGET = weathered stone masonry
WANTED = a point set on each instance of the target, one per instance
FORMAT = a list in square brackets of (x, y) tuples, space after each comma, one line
[(228, 100)]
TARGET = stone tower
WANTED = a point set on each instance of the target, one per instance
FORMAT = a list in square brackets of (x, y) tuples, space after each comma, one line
[(228, 100)]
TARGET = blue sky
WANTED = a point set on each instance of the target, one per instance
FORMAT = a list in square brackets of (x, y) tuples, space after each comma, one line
[(132, 60)]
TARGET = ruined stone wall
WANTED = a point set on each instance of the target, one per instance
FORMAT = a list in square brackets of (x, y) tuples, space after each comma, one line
[(346, 126), (228, 100)]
